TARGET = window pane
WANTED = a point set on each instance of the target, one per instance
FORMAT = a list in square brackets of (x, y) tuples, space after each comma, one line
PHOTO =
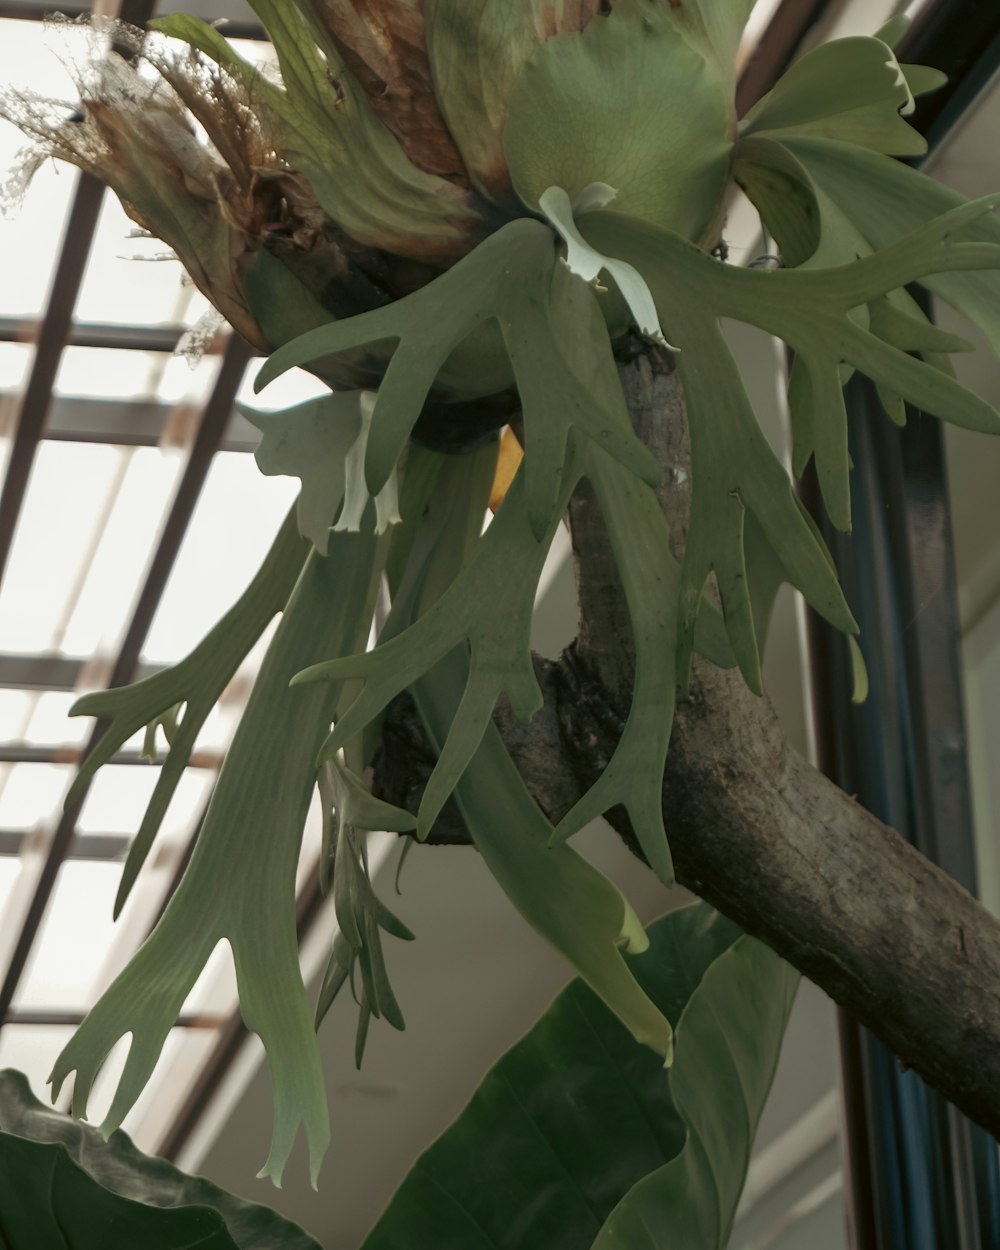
[(130, 280), (33, 1049), (51, 723), (32, 794), (119, 794), (234, 524), (143, 496), (59, 520), (75, 937)]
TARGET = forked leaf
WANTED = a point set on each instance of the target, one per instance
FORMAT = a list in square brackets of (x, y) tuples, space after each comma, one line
[(575, 908), (566, 900), (578, 1136), (887, 200), (196, 682), (240, 883), (500, 658), (850, 89), (810, 309), (640, 540), (350, 813), (506, 280)]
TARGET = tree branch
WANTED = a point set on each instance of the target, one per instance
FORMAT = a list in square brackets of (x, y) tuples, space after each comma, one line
[(753, 828)]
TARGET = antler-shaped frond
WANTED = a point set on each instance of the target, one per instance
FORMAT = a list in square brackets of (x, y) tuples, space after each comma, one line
[(250, 841), (734, 470), (193, 685), (350, 812), (506, 281)]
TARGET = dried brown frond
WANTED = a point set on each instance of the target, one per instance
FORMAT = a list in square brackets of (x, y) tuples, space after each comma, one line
[(382, 43)]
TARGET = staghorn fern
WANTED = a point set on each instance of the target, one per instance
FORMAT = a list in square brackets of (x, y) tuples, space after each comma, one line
[(452, 270)]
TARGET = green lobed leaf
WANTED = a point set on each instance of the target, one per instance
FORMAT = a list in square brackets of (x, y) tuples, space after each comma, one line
[(887, 200), (240, 882), (631, 102), (284, 308), (350, 811), (507, 280), (510, 556), (476, 49), (575, 908), (853, 90), (578, 1137), (733, 468), (194, 684), (64, 1187)]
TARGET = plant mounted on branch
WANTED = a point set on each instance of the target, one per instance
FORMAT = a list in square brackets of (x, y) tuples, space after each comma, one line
[(455, 213)]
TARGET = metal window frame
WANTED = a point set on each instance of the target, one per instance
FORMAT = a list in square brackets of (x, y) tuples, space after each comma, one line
[(921, 1175)]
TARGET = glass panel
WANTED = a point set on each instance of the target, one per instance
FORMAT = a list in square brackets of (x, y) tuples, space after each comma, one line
[(10, 870), (236, 519), (51, 724), (27, 254), (60, 517), (73, 941), (115, 576), (15, 713), (109, 373), (180, 382), (129, 279), (119, 794), (15, 360), (32, 794), (33, 1049), (291, 388)]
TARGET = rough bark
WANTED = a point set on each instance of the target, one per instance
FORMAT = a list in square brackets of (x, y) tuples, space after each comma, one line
[(754, 828)]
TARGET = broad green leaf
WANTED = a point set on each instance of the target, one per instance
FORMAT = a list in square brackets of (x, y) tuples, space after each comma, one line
[(577, 1136), (781, 192), (728, 1041), (476, 50), (894, 29), (507, 280), (715, 27), (630, 102), (194, 685), (853, 90), (64, 1187), (240, 883)]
